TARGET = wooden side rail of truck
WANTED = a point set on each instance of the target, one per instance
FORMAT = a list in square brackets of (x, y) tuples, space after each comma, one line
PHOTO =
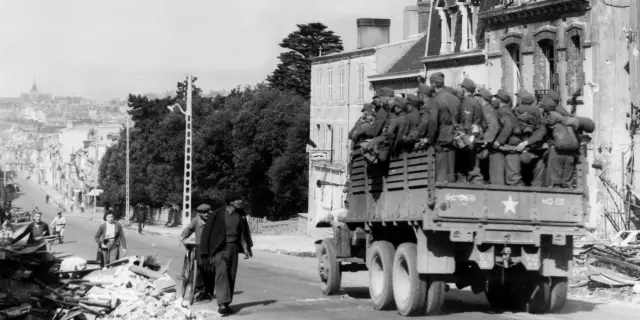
[(414, 236)]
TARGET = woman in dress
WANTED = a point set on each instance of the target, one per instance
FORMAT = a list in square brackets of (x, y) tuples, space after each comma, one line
[(110, 238)]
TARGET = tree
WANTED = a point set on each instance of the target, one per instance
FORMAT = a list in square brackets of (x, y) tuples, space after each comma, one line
[(294, 70)]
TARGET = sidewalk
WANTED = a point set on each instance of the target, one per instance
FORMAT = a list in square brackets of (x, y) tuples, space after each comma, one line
[(299, 246)]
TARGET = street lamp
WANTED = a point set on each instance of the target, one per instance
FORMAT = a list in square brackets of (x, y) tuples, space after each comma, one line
[(186, 194)]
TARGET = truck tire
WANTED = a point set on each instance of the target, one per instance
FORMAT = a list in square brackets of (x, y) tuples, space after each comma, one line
[(539, 302), (436, 290), (559, 291), (409, 287), (328, 267), (381, 275)]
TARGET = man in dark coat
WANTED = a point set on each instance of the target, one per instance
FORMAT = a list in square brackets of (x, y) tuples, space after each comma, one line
[(448, 115), (397, 120), (224, 236), (490, 127)]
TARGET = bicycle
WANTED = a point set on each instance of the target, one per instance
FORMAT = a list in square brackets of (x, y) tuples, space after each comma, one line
[(189, 273)]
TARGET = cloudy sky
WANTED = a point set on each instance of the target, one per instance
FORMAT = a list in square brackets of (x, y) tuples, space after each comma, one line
[(105, 49)]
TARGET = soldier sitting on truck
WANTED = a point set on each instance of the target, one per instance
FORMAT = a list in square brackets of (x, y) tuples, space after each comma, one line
[(533, 138), (468, 166), (371, 149), (490, 128), (427, 130), (448, 115), (357, 133), (393, 133), (563, 149), (412, 120), (506, 118)]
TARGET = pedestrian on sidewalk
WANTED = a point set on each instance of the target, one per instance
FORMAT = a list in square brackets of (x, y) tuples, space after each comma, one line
[(224, 236), (46, 198), (110, 237), (206, 271), (141, 216)]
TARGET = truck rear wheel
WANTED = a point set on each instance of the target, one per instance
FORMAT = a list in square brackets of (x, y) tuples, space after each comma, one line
[(539, 299), (409, 287), (559, 291), (329, 267), (381, 275)]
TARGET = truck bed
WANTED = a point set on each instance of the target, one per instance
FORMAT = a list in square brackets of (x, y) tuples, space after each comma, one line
[(404, 189)]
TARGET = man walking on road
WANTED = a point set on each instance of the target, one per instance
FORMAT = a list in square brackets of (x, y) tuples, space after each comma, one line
[(224, 236), (205, 271)]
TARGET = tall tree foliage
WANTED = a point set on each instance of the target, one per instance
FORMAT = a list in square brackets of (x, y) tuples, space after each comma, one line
[(294, 70), (251, 141)]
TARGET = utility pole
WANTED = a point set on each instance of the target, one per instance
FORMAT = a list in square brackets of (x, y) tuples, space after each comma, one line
[(186, 200), (127, 176)]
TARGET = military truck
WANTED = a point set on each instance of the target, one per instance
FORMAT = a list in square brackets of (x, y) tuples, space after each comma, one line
[(415, 237)]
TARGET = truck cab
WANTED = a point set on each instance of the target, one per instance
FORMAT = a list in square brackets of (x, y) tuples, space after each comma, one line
[(415, 236)]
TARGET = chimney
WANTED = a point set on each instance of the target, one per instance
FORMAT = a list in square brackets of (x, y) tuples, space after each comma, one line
[(410, 22), (424, 15), (372, 32)]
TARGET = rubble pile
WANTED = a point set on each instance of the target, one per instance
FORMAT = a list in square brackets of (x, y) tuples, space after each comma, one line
[(607, 272), (35, 284)]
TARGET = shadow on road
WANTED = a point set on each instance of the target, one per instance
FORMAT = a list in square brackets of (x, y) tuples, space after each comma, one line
[(238, 292), (573, 306), (357, 292), (240, 306)]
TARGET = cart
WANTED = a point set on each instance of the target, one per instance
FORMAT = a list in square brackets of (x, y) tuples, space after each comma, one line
[(189, 273)]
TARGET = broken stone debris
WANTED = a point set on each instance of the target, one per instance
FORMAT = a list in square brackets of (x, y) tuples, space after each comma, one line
[(36, 284), (607, 272)]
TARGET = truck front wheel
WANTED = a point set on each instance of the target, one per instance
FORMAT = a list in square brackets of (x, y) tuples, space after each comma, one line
[(409, 287), (381, 275), (329, 267)]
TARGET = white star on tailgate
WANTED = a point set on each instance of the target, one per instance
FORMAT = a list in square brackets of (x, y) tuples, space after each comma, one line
[(510, 205)]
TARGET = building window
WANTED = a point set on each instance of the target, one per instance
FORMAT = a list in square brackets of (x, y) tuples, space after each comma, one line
[(341, 144), (342, 88), (515, 68), (318, 93), (361, 82), (328, 140), (321, 142), (545, 76), (575, 61), (330, 86)]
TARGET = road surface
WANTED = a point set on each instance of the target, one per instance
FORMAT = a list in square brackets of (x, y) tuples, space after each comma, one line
[(272, 286)]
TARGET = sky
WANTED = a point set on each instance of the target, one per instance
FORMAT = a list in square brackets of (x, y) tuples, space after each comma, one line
[(103, 49)]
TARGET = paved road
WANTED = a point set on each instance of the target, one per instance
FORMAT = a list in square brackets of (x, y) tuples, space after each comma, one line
[(272, 286)]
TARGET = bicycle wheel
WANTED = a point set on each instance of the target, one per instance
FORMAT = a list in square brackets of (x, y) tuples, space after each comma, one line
[(187, 275), (193, 280)]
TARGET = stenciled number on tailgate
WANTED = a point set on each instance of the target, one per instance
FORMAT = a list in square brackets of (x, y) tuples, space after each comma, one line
[(463, 198), (553, 201)]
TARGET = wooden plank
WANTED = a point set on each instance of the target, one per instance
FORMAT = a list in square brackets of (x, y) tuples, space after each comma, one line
[(417, 175), (418, 168), (395, 185), (418, 183), (395, 178)]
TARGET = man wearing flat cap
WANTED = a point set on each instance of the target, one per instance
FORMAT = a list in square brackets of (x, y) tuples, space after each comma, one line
[(225, 235), (448, 115), (205, 272)]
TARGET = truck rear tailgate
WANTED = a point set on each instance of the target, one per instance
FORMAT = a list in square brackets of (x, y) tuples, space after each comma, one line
[(507, 204)]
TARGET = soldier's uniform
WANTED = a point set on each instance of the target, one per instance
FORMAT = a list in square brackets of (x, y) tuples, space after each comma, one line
[(428, 126), (533, 138), (357, 133), (396, 122), (555, 97), (564, 147), (412, 120), (507, 135), (382, 116), (468, 166), (490, 127), (448, 115)]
